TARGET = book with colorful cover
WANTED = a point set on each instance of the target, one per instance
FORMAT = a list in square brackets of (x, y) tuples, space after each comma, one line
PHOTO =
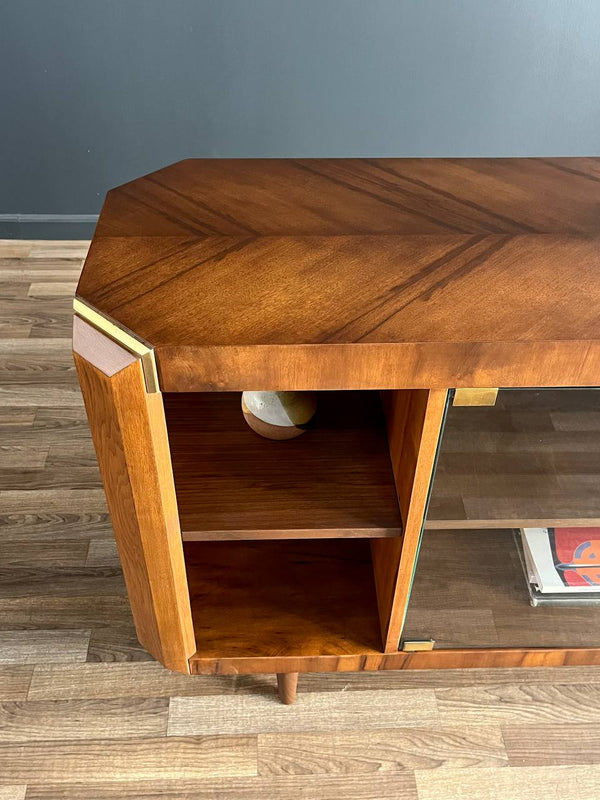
[(563, 560)]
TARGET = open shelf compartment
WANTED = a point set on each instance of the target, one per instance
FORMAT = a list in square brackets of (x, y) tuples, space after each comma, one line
[(334, 480), (296, 549), (283, 598)]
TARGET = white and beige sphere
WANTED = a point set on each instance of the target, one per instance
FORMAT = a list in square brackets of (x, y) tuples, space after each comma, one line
[(279, 415)]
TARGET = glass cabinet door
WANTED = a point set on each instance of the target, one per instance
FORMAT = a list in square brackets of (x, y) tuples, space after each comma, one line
[(512, 538)]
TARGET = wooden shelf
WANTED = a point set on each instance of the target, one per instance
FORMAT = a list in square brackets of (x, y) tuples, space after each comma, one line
[(282, 598), (334, 480), (532, 460)]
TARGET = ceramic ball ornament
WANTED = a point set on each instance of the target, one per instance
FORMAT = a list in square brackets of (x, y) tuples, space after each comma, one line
[(279, 415)]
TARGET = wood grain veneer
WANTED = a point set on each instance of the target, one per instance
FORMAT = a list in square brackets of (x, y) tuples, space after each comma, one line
[(414, 422), (334, 480), (270, 599), (374, 273), (129, 433), (464, 658)]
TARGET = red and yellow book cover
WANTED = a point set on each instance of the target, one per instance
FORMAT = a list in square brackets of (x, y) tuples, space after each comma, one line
[(576, 555)]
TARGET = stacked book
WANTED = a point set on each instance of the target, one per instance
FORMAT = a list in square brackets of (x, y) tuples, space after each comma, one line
[(562, 564)]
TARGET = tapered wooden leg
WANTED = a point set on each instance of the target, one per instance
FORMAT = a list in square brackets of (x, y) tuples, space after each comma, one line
[(287, 683)]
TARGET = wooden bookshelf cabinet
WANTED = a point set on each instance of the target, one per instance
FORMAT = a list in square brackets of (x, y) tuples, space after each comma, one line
[(397, 289)]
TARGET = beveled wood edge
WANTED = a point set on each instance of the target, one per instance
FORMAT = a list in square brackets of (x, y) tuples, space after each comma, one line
[(289, 533), (413, 453), (130, 438), (402, 365), (368, 662), (96, 348), (126, 339)]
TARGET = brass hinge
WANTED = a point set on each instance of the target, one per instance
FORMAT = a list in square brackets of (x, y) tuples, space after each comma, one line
[(475, 397), (418, 645)]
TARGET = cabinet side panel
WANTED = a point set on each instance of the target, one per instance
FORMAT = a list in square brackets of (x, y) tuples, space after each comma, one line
[(414, 419), (130, 437)]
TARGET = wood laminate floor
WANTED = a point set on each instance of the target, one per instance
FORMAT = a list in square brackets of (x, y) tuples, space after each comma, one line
[(86, 713)]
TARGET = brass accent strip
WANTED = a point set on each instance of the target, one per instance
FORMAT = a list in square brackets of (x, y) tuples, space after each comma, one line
[(122, 337), (475, 397), (418, 646)]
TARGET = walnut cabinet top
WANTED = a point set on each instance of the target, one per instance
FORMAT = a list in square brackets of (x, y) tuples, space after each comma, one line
[(356, 273)]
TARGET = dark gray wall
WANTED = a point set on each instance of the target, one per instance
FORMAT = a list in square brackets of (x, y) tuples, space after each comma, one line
[(96, 92)]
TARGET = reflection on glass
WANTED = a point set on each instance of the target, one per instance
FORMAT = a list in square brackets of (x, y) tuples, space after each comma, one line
[(531, 461)]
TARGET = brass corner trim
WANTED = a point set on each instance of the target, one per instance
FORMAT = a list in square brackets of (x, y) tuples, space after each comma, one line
[(475, 397), (418, 645), (123, 338)]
